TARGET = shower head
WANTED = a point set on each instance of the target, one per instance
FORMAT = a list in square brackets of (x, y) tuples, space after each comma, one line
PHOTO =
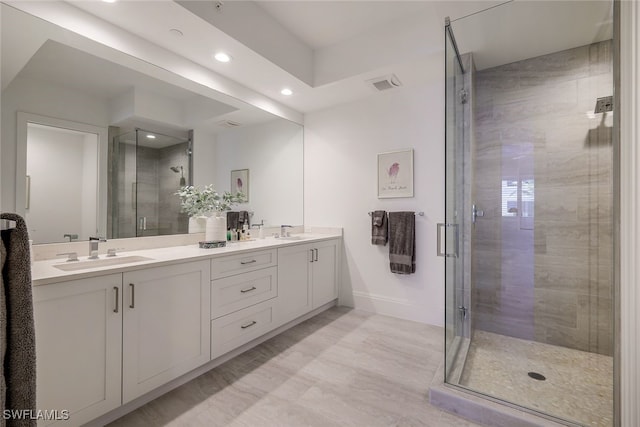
[(604, 105), (180, 170)]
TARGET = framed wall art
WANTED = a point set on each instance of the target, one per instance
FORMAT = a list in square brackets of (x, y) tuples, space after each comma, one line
[(395, 174), (240, 182)]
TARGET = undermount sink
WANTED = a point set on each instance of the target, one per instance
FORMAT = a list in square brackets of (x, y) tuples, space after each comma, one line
[(104, 262), (294, 237)]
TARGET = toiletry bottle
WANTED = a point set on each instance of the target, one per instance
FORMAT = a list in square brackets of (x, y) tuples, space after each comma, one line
[(228, 234), (260, 232), (243, 235)]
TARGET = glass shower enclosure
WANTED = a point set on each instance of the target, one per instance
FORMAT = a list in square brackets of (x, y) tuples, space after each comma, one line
[(528, 236), (146, 170)]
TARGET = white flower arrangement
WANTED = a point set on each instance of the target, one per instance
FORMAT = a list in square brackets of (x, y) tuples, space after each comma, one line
[(196, 202)]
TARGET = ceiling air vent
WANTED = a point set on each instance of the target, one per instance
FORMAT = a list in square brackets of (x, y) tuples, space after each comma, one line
[(385, 82), (228, 124)]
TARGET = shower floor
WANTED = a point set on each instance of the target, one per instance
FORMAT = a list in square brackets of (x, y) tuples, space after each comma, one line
[(578, 385)]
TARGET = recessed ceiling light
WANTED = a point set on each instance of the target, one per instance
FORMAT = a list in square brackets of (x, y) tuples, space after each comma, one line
[(222, 57), (109, 1), (286, 92), (151, 136)]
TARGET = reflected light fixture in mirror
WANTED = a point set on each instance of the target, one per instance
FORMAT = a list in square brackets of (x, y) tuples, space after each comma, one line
[(222, 57), (269, 146)]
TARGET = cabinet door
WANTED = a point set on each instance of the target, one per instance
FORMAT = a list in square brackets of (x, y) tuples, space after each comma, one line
[(79, 346), (294, 291), (166, 325), (324, 277)]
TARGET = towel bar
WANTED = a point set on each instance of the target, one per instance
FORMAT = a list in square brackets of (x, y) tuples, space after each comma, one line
[(417, 213)]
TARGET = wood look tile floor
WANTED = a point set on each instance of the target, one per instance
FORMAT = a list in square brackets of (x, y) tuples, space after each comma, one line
[(343, 367)]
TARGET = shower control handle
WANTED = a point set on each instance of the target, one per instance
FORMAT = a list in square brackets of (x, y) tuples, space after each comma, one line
[(475, 213)]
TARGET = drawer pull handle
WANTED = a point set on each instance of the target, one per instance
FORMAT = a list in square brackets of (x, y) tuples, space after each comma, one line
[(133, 295), (247, 262), (117, 289), (253, 288), (248, 325)]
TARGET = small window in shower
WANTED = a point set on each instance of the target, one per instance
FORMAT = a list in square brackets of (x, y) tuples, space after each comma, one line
[(518, 197), (527, 195), (509, 197)]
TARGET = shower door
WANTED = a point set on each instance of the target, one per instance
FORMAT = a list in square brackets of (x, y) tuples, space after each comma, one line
[(148, 169), (451, 244)]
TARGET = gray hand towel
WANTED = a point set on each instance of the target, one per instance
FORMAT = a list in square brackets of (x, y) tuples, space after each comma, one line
[(232, 220), (379, 233), (402, 242), (19, 342)]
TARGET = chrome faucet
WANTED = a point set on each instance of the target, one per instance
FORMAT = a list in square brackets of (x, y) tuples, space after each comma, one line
[(93, 246), (283, 230)]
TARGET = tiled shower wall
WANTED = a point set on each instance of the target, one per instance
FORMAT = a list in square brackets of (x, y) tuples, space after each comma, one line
[(545, 277), (146, 189)]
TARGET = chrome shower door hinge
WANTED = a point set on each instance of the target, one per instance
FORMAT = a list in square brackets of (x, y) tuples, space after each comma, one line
[(463, 96), (463, 311), (475, 213)]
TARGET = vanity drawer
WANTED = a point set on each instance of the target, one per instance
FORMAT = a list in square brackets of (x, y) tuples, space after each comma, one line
[(233, 330), (235, 264), (234, 293)]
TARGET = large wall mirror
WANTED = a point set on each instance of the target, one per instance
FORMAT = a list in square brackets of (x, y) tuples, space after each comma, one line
[(96, 142)]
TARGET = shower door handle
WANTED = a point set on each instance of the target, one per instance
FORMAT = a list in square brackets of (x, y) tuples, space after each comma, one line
[(445, 226)]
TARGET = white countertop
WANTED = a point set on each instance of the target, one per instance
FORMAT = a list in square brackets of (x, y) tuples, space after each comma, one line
[(45, 272)]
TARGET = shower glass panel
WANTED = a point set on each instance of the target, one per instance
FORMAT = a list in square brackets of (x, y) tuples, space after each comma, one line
[(451, 231), (533, 172), (151, 167)]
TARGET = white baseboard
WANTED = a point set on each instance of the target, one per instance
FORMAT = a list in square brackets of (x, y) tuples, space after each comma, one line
[(395, 307)]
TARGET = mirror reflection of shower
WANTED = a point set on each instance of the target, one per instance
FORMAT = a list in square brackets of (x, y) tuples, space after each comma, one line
[(148, 168), (179, 169)]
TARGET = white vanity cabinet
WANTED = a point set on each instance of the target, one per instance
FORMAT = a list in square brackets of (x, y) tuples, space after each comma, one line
[(307, 278), (166, 325), (106, 340), (243, 296), (324, 272), (78, 328)]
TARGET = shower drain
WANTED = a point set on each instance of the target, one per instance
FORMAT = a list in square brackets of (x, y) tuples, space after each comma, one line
[(536, 376)]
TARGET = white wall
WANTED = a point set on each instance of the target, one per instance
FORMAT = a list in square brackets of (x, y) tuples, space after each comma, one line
[(273, 153), (45, 99), (341, 147), (204, 157), (55, 163), (89, 196)]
